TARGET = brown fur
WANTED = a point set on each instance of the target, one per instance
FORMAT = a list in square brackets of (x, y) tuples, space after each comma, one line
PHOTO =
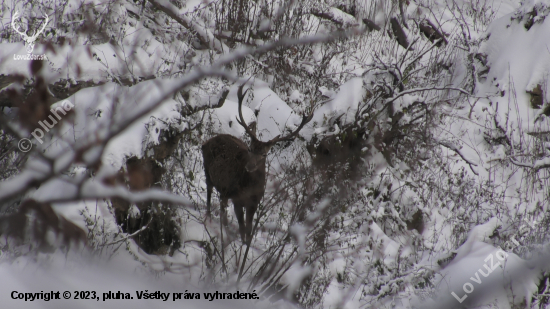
[(238, 174)]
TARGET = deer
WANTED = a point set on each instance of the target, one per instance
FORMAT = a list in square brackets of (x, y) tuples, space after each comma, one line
[(238, 172)]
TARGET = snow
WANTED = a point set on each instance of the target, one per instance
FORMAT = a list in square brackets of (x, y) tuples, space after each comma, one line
[(274, 113), (346, 101), (101, 101), (519, 62), (492, 273), (227, 115), (103, 278)]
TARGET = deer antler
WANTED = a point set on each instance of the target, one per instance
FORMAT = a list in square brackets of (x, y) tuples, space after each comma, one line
[(278, 138), (305, 120), (240, 120), (23, 34)]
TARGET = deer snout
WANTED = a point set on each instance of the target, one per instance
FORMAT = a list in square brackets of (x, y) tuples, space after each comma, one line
[(255, 161), (251, 166)]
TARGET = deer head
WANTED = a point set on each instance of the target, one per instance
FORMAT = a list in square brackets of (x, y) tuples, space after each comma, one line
[(258, 148), (238, 171), (29, 40)]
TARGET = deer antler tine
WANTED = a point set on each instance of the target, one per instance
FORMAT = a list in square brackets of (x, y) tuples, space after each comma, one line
[(240, 120), (305, 120)]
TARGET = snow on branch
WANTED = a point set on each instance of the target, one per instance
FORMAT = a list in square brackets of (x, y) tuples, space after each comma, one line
[(457, 150), (402, 93), (94, 149), (204, 35), (334, 15), (538, 165)]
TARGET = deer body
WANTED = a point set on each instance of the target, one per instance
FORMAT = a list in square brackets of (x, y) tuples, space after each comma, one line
[(238, 174), (238, 171)]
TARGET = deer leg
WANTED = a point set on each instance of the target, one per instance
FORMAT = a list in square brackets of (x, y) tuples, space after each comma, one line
[(250, 219), (239, 211), (208, 198), (223, 211)]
